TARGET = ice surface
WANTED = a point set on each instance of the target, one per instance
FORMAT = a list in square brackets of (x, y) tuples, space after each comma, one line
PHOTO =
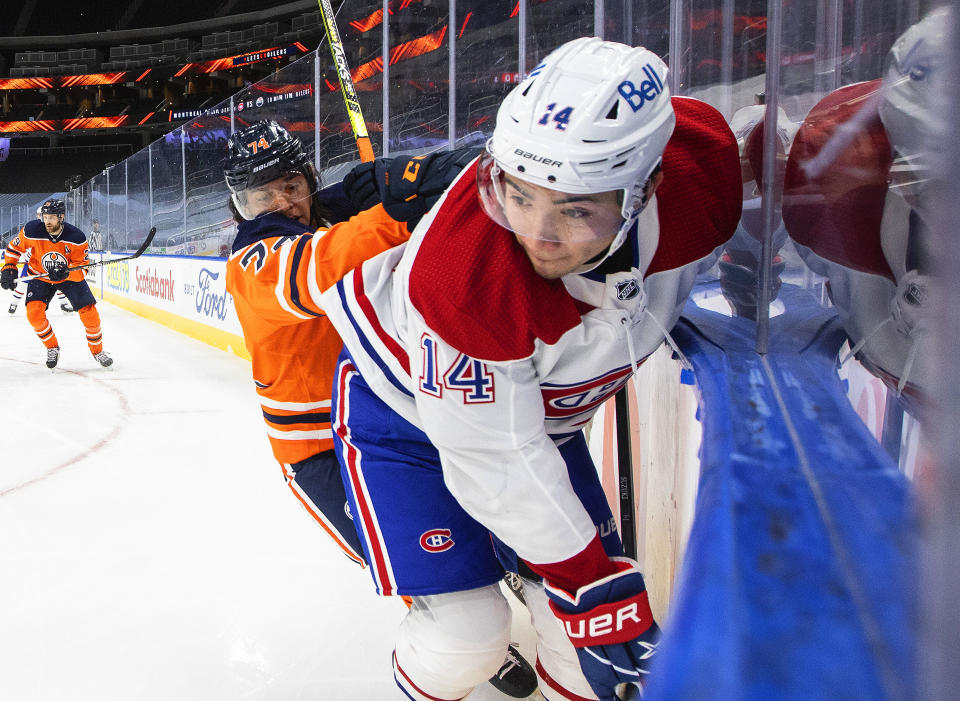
[(149, 548)]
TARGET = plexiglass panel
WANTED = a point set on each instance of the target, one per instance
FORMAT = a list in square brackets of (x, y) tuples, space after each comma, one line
[(166, 166), (487, 66), (550, 24), (854, 205), (139, 197), (419, 76)]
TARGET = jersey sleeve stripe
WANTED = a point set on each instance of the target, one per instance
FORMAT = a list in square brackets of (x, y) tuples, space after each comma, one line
[(294, 269), (268, 403), (313, 285), (398, 352), (278, 292), (288, 419), (365, 344), (322, 434)]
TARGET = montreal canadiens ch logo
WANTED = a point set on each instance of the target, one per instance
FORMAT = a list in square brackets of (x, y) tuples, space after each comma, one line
[(436, 540)]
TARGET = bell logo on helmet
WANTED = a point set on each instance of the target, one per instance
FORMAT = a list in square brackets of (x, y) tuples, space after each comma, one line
[(648, 91), (537, 159)]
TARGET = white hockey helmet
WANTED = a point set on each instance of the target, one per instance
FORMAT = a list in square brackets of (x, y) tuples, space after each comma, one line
[(594, 116), (911, 107)]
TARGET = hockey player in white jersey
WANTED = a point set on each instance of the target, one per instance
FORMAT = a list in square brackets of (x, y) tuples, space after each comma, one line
[(475, 354)]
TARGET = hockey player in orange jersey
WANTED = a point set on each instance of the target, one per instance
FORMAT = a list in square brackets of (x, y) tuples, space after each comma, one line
[(54, 246), (283, 218), (18, 292)]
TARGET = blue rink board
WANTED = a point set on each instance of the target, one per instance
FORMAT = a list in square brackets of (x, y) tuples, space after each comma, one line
[(799, 574)]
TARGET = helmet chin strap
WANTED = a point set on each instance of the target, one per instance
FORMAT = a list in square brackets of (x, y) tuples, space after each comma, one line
[(615, 245)]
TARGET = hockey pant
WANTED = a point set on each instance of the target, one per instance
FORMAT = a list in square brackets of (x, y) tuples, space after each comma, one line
[(39, 294), (409, 523), (450, 643), (316, 484)]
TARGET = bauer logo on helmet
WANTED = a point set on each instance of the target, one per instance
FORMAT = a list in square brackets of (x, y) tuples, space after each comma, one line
[(537, 159)]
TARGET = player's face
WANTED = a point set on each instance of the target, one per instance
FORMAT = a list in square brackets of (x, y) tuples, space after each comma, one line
[(560, 231), (52, 222), (288, 195)]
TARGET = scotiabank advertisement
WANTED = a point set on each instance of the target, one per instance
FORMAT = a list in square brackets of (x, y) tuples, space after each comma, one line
[(170, 290)]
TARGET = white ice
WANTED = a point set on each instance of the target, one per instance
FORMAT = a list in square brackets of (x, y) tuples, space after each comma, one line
[(149, 547)]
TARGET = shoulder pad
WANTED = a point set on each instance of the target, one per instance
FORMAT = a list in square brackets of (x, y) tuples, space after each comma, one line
[(699, 200), (34, 229), (72, 234)]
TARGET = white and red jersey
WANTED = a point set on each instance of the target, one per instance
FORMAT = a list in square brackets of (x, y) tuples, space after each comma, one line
[(458, 334)]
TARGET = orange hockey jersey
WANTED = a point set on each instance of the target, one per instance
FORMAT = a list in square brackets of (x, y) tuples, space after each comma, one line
[(70, 246), (293, 346)]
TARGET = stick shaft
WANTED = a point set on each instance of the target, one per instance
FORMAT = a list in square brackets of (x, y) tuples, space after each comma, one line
[(347, 88)]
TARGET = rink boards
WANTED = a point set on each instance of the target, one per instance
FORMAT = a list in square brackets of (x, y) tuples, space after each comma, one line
[(185, 293)]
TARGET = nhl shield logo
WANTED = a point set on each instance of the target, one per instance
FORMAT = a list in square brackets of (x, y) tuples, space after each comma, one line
[(436, 540), (628, 289)]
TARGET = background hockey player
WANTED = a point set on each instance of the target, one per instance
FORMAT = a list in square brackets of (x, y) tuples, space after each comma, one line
[(282, 219), (53, 246), (476, 353), (18, 290)]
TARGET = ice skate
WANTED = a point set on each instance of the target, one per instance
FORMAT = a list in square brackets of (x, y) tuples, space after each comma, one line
[(104, 359), (53, 355), (516, 677), (12, 309), (65, 307)]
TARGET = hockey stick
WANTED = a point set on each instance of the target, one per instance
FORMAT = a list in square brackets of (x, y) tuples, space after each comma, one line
[(136, 254), (628, 529), (350, 98)]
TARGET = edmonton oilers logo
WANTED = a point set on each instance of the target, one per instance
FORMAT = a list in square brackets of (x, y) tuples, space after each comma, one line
[(436, 540), (628, 289)]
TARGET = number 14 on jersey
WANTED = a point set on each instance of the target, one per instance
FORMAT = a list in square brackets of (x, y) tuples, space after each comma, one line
[(465, 375)]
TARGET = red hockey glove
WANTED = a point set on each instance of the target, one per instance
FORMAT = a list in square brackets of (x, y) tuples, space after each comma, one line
[(611, 626)]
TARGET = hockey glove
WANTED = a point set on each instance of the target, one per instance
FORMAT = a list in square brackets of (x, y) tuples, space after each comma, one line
[(8, 278), (407, 187), (57, 272), (360, 184), (610, 624)]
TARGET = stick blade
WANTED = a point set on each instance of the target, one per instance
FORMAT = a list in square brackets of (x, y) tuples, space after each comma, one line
[(146, 242)]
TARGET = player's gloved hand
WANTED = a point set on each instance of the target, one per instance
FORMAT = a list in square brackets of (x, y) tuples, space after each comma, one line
[(411, 186), (57, 272), (360, 184), (407, 186), (8, 278), (611, 626)]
